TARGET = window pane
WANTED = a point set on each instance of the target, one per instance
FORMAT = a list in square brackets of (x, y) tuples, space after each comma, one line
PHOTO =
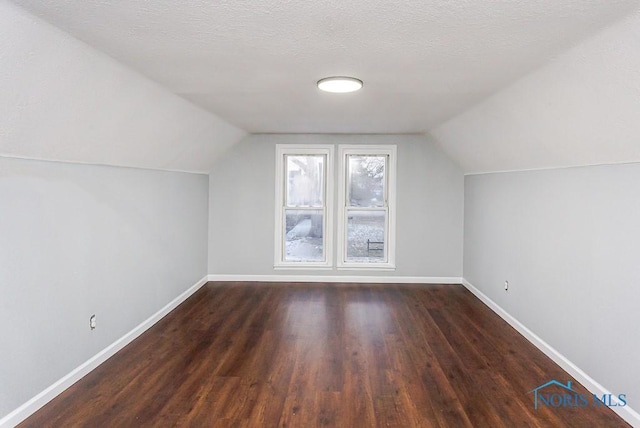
[(305, 178), (366, 236), (303, 236), (366, 177)]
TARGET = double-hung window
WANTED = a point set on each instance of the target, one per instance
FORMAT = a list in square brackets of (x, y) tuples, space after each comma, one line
[(304, 195), (365, 216), (366, 207)]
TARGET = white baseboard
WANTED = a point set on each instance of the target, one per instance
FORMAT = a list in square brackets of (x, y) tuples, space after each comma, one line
[(367, 279), (31, 406), (626, 413)]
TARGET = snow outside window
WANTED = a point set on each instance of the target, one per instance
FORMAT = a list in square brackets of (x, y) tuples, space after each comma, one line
[(366, 211), (303, 210)]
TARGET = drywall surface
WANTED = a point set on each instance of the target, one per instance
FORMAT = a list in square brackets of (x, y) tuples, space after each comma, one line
[(62, 100), (568, 241), (429, 207), (581, 109), (255, 63), (77, 240)]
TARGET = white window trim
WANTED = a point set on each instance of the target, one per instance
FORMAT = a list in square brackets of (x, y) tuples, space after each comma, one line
[(390, 239), (304, 149)]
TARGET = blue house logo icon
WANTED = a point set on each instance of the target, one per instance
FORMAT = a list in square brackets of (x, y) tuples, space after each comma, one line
[(549, 399), (562, 395)]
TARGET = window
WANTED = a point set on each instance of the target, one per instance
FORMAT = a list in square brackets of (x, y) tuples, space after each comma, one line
[(366, 207), (304, 195)]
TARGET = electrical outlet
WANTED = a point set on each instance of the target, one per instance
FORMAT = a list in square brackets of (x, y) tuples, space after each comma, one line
[(92, 322), (506, 286)]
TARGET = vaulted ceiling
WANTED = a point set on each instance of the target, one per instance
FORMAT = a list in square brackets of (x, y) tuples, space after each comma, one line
[(254, 63)]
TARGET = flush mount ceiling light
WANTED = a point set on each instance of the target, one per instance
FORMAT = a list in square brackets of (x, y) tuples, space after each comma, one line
[(339, 84)]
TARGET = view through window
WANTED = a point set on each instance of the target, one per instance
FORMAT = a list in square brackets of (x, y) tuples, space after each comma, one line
[(304, 208), (366, 207), (304, 195)]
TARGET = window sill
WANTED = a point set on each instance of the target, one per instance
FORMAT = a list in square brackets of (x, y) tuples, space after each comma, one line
[(385, 267), (302, 267)]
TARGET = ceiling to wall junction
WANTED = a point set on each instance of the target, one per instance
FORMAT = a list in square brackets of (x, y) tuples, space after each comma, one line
[(255, 63)]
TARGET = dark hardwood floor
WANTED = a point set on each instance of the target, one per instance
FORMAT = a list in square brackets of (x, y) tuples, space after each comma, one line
[(337, 355)]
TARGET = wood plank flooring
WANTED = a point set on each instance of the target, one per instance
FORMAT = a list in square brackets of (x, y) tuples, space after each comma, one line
[(335, 355)]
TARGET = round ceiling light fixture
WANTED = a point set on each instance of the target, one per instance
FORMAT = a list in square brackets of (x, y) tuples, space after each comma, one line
[(339, 84)]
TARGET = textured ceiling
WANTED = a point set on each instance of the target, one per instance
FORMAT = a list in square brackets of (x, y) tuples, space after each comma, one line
[(62, 100), (255, 63), (580, 109)]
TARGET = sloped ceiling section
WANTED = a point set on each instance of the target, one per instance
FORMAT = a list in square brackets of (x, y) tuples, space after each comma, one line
[(581, 109), (62, 100), (254, 63)]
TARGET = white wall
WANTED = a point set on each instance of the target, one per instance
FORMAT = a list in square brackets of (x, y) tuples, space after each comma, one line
[(581, 109), (568, 242), (63, 100), (77, 240), (429, 207)]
